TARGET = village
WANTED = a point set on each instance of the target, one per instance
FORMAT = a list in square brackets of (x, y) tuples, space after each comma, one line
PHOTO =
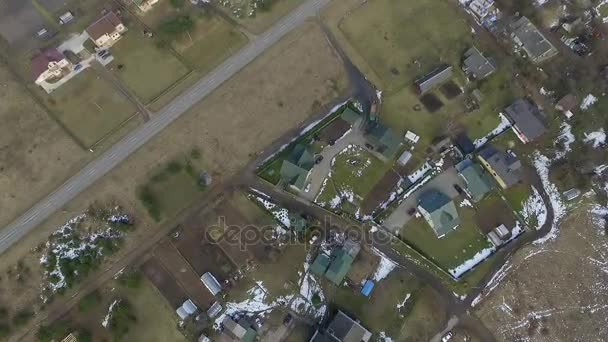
[(352, 183)]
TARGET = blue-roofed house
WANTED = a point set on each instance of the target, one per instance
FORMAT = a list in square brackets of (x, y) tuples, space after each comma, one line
[(439, 212)]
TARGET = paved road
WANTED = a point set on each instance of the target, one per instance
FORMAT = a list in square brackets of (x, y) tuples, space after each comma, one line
[(121, 150)]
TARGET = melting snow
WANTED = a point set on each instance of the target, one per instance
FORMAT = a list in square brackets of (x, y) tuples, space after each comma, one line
[(106, 319), (535, 207), (542, 163), (597, 138), (466, 203), (402, 304), (566, 138), (502, 126), (385, 266), (474, 261), (588, 101)]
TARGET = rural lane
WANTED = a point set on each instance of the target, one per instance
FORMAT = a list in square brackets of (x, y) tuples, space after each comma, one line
[(159, 120)]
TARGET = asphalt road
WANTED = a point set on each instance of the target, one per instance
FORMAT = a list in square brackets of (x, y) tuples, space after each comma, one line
[(121, 150)]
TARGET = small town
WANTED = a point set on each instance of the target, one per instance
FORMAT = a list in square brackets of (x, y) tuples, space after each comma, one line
[(303, 170)]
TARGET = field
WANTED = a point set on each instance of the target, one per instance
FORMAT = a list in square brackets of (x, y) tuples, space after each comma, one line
[(146, 69), (36, 154), (454, 248), (419, 317), (90, 107), (555, 290)]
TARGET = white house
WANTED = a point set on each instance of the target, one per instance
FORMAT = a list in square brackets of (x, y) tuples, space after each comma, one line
[(107, 30)]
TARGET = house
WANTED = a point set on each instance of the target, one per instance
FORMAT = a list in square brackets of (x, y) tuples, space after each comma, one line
[(49, 64), (336, 266), (211, 283), (435, 78), (566, 105), (187, 309), (531, 40), (238, 331), (505, 167), (481, 8), (477, 65), (214, 310), (477, 181), (383, 140), (107, 30), (524, 118), (144, 5), (342, 329), (296, 167), (439, 212)]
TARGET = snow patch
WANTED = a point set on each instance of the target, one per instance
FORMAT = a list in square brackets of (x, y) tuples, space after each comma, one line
[(502, 126), (596, 138), (588, 101), (474, 261), (534, 207)]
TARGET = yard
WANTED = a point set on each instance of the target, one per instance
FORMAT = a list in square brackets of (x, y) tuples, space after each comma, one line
[(400, 42), (454, 248), (260, 19), (354, 173), (145, 69), (400, 306), (90, 107)]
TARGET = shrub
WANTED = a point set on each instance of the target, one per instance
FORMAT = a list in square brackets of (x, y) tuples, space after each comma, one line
[(195, 153), (55, 331), (150, 202), (84, 335), (315, 299), (174, 167), (122, 318)]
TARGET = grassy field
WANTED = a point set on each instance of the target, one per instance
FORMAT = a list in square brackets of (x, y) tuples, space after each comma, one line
[(172, 188), (355, 171), (517, 194), (263, 18), (392, 35), (89, 107), (146, 69), (454, 248)]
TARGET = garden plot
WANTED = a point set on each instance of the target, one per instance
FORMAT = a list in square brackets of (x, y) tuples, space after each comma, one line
[(457, 251), (353, 174)]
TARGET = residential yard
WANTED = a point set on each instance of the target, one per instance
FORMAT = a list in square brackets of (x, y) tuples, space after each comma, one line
[(493, 211), (454, 248), (354, 173), (517, 194), (147, 70), (36, 154), (400, 42), (387, 309), (91, 108)]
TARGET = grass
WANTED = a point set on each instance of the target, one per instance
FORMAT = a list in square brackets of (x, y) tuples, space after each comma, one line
[(425, 317), (90, 108), (283, 279), (354, 170), (171, 189), (391, 35), (454, 248), (377, 312), (517, 194), (263, 19), (147, 70)]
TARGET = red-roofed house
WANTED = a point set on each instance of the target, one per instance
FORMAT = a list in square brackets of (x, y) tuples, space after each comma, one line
[(107, 30), (49, 63)]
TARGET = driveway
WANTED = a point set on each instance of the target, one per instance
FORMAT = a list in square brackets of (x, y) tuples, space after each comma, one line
[(443, 182), (320, 171)]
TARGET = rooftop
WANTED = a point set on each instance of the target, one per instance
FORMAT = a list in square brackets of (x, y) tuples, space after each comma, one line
[(104, 25), (476, 64), (537, 47), (442, 213), (523, 115), (506, 165), (40, 62)]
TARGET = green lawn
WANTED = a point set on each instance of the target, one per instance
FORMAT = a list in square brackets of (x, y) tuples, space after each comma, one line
[(147, 69), (391, 35), (356, 171), (89, 107), (454, 248), (378, 312), (517, 195)]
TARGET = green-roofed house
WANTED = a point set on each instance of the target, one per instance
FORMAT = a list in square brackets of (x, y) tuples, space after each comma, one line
[(439, 212), (477, 181), (320, 265), (350, 116), (383, 140), (339, 267), (296, 167)]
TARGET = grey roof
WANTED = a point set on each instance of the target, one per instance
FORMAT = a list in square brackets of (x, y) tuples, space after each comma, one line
[(211, 283), (523, 115), (404, 158), (537, 47), (439, 75), (506, 165), (214, 310), (345, 329), (442, 213), (478, 65)]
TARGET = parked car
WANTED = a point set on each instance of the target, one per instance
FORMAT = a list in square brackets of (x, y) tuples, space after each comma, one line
[(458, 189), (447, 336), (318, 159)]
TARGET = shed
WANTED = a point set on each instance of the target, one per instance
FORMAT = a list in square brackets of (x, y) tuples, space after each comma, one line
[(187, 309), (214, 310), (493, 237), (404, 158), (66, 18), (572, 194), (502, 231), (367, 288), (211, 283), (412, 137)]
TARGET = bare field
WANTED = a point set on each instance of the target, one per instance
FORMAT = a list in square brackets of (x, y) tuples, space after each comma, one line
[(554, 291), (251, 101), (36, 154)]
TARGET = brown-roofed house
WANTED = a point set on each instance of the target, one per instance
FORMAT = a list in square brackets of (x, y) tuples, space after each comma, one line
[(566, 105), (107, 30), (49, 63)]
